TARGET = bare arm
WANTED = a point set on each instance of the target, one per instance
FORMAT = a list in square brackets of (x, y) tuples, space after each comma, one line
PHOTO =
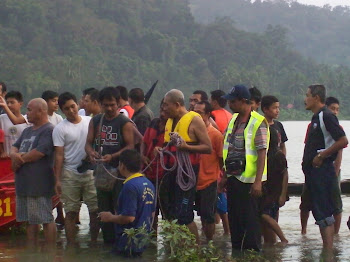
[(89, 142), (256, 189), (200, 132), (118, 219), (2, 151), (283, 196), (32, 156), (337, 162), (16, 158), (14, 119), (59, 157), (128, 136)]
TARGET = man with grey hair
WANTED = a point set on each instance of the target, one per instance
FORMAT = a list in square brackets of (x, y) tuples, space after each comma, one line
[(188, 134), (32, 161), (323, 141)]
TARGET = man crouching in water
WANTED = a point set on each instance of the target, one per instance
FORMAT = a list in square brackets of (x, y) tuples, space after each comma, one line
[(136, 204), (177, 191)]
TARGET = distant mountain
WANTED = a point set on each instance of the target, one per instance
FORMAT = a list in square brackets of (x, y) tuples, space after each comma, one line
[(318, 32), (70, 45)]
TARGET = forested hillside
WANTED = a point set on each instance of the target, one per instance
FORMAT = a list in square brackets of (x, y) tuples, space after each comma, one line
[(318, 32), (75, 44)]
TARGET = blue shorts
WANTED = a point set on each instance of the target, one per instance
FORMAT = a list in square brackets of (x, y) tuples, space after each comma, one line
[(221, 206)]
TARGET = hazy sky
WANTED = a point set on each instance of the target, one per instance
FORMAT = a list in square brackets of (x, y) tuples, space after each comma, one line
[(323, 2)]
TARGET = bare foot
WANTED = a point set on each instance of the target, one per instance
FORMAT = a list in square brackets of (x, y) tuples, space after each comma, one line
[(282, 243)]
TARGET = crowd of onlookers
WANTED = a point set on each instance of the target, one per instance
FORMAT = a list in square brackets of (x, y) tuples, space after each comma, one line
[(110, 152)]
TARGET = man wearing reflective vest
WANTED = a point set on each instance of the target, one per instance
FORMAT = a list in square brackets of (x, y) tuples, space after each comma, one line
[(244, 155), (176, 199)]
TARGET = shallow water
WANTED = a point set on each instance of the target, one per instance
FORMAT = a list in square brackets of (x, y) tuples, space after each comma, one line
[(300, 248)]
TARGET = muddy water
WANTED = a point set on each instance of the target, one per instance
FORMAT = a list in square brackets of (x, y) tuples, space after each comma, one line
[(300, 248)]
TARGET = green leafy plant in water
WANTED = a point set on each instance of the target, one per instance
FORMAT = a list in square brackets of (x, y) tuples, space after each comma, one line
[(181, 243), (138, 238)]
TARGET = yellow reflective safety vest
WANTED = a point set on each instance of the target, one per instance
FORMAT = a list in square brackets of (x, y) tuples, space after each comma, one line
[(251, 155), (181, 127)]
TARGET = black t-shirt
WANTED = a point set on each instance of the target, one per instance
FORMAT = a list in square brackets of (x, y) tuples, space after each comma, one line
[(111, 135), (142, 119), (282, 136), (323, 131)]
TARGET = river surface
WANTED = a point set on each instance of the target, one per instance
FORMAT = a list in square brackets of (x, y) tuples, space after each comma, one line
[(300, 248)]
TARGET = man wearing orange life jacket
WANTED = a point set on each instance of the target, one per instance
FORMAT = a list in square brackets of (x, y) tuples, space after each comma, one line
[(177, 203)]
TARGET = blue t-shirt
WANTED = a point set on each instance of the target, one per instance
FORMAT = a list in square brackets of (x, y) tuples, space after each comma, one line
[(136, 199)]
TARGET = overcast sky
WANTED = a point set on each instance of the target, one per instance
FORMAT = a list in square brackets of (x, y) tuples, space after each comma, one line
[(323, 2)]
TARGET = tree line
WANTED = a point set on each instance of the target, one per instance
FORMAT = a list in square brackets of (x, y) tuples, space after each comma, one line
[(75, 44)]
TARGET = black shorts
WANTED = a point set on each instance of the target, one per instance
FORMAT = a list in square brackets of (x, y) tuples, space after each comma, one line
[(174, 202), (271, 210), (206, 203)]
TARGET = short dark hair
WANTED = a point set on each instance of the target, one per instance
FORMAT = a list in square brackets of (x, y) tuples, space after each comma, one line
[(64, 97), (267, 101), (217, 96), (137, 95), (204, 96), (332, 100), (14, 94), (207, 106), (4, 88), (255, 94), (108, 93), (131, 159), (87, 90), (48, 94), (123, 92), (318, 90), (94, 94)]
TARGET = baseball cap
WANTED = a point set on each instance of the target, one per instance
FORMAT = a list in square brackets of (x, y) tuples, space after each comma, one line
[(238, 91)]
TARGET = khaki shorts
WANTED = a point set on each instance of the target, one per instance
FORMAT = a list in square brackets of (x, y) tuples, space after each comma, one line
[(76, 186)]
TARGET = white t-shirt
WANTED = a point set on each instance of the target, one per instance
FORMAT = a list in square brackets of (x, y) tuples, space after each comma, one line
[(12, 132), (81, 112), (55, 119), (73, 138), (124, 112)]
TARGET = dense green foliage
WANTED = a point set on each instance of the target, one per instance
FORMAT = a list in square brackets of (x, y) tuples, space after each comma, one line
[(75, 44), (318, 32), (179, 244)]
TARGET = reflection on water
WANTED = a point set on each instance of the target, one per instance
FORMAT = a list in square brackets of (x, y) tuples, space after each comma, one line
[(296, 131), (300, 248)]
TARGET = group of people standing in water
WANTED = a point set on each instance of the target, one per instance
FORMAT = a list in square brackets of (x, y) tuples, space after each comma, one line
[(229, 167)]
